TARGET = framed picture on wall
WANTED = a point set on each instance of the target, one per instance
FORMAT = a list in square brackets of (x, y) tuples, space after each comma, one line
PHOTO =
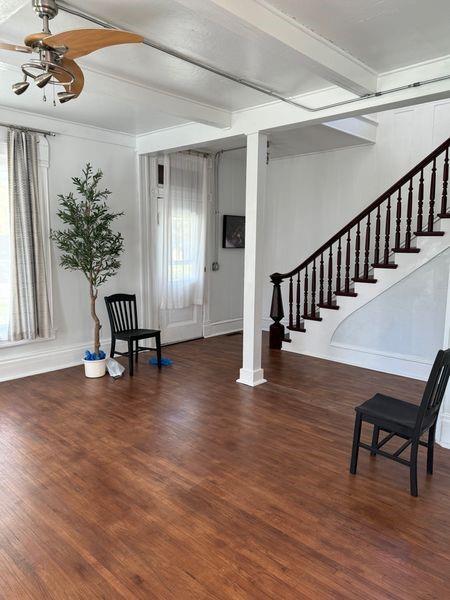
[(233, 231)]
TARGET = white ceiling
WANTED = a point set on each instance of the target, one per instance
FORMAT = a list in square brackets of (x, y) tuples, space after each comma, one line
[(384, 34)]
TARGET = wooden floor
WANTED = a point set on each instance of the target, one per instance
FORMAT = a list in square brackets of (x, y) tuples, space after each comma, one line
[(183, 484)]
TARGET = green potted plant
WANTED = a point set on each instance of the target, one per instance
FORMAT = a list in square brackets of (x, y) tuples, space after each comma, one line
[(88, 244)]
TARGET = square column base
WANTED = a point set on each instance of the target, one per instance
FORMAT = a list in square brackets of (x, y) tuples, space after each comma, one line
[(251, 378)]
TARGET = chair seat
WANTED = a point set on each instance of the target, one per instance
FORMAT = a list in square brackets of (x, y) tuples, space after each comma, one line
[(388, 409), (136, 334)]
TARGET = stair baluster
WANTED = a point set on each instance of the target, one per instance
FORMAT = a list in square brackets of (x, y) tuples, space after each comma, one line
[(409, 215), (330, 276), (313, 289), (291, 301), (432, 197), (377, 237), (347, 264), (367, 249), (338, 265), (420, 205), (398, 219), (298, 302), (357, 250), (305, 293), (387, 232), (443, 212), (321, 278)]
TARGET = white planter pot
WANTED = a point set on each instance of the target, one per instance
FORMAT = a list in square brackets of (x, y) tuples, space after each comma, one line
[(94, 368)]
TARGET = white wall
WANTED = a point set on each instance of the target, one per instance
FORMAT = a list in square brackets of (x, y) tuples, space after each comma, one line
[(68, 154), (225, 287), (310, 197)]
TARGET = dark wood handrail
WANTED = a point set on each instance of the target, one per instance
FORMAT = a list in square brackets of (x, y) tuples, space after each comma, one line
[(375, 204)]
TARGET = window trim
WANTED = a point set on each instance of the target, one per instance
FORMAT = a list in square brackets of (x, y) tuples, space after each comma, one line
[(44, 165)]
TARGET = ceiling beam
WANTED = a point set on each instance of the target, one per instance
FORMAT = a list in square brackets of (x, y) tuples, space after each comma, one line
[(9, 7), (277, 115), (316, 53)]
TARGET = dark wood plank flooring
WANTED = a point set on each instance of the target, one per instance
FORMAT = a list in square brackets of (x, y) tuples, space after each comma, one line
[(185, 485)]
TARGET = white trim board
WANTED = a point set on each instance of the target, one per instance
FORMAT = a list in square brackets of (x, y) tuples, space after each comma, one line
[(44, 361), (222, 327)]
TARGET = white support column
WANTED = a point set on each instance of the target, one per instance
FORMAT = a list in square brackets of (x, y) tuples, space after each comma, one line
[(251, 373)]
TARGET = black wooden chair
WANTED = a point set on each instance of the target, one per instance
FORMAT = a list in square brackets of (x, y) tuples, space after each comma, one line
[(404, 420), (122, 313)]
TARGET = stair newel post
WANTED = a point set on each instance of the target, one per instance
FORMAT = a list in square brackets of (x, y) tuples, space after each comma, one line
[(321, 279), (276, 314), (305, 292), (444, 185), (313, 289), (291, 302), (432, 197), (357, 249), (347, 264), (409, 214), (420, 205), (377, 236), (398, 219), (387, 232), (330, 276), (297, 303), (338, 266), (367, 249)]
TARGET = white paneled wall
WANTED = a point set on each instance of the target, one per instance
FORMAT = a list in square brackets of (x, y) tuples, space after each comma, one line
[(225, 287), (72, 321)]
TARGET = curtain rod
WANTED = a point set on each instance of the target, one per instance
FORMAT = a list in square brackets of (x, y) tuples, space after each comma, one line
[(21, 128)]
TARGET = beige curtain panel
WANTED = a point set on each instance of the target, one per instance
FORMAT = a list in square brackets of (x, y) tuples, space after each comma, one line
[(30, 311)]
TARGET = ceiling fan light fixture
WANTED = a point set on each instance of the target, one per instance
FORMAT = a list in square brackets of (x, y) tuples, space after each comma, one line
[(21, 87), (64, 97), (42, 80)]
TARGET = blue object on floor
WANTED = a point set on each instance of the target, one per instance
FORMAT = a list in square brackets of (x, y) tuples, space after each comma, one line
[(165, 362)]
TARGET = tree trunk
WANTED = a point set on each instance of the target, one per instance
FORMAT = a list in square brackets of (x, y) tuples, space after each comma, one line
[(97, 325)]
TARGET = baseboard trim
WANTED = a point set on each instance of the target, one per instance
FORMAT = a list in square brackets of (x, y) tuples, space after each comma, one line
[(34, 363), (222, 327)]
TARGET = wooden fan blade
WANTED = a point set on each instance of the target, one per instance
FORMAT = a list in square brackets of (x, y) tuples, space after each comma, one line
[(78, 84), (14, 47), (84, 41)]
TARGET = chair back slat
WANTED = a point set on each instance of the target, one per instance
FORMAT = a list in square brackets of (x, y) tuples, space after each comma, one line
[(122, 312), (435, 389)]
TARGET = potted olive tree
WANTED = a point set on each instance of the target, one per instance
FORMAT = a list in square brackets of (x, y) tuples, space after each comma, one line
[(88, 244)]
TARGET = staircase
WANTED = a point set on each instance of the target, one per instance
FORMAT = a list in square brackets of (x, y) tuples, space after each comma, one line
[(401, 230)]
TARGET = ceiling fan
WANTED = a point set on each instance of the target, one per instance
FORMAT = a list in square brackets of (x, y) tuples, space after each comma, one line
[(56, 65)]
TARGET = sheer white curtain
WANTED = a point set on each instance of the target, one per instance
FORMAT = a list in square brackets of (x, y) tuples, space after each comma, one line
[(182, 215)]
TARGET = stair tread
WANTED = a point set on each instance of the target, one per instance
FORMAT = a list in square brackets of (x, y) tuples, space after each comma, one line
[(384, 265), (406, 250), (429, 233), (293, 328), (364, 280), (312, 317), (346, 294), (326, 305)]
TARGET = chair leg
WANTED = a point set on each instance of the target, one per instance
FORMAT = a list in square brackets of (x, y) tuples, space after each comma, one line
[(113, 347), (375, 436), (137, 351), (413, 467), (158, 349), (356, 439), (130, 357), (430, 451)]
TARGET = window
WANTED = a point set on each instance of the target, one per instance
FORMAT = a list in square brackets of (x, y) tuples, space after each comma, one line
[(5, 275)]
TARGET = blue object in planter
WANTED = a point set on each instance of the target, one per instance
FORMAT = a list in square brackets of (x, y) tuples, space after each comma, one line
[(165, 362), (88, 355)]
